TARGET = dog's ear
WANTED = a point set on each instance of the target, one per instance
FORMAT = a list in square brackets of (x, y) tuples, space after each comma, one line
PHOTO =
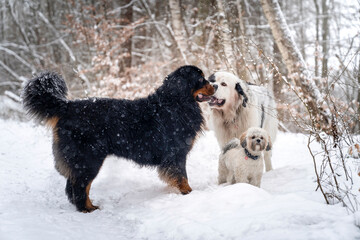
[(240, 91), (269, 145), (243, 140)]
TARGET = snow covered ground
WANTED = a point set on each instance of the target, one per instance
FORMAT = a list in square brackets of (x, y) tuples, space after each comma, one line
[(135, 204)]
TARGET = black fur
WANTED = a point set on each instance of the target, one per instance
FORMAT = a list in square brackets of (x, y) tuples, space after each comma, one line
[(45, 96), (251, 84), (241, 92), (156, 131), (262, 116), (268, 147), (230, 145), (243, 143), (212, 78)]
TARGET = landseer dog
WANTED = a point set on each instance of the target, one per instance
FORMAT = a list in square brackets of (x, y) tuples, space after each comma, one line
[(237, 106), (242, 161), (156, 131)]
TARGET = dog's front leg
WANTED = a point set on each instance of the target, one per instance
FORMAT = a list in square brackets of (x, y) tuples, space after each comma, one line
[(240, 176), (175, 175), (256, 180), (223, 171), (267, 158)]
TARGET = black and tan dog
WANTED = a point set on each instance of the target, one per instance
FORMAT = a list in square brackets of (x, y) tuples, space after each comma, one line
[(156, 131)]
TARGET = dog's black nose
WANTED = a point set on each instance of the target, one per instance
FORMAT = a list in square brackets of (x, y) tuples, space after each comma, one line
[(215, 86), (258, 140)]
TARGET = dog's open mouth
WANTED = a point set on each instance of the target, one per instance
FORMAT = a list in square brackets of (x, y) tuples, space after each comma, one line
[(216, 102), (203, 98)]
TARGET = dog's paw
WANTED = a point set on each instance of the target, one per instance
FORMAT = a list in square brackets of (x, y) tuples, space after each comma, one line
[(90, 209), (184, 187), (187, 191)]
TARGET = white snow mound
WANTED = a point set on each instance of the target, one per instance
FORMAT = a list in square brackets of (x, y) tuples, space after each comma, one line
[(135, 204)]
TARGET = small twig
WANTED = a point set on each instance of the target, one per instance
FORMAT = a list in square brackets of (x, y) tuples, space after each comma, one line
[(316, 172)]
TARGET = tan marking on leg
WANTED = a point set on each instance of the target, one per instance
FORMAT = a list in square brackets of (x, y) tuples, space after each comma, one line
[(181, 184), (55, 135), (62, 167), (88, 204), (52, 122), (184, 186)]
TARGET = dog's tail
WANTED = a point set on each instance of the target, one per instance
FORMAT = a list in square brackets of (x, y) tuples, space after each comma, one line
[(44, 96)]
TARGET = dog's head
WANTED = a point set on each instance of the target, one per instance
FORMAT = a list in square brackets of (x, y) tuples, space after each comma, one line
[(256, 140), (230, 91), (189, 80)]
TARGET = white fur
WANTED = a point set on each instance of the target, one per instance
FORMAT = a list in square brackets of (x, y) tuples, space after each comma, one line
[(236, 167), (232, 119)]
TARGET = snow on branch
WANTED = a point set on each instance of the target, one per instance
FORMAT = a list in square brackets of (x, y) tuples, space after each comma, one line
[(12, 72), (10, 52), (119, 9)]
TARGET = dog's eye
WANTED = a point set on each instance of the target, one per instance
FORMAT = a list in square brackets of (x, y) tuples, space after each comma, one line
[(201, 79), (253, 137), (223, 84), (262, 137)]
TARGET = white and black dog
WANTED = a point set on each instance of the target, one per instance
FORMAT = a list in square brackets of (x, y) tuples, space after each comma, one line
[(242, 160), (237, 106)]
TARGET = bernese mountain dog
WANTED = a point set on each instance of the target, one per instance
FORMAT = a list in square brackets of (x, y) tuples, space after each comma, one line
[(156, 131)]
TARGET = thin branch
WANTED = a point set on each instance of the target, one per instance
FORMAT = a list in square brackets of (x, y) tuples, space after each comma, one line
[(10, 52), (316, 171), (72, 56), (12, 72)]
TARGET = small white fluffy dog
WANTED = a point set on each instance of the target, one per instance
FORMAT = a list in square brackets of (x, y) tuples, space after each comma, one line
[(237, 106), (242, 161)]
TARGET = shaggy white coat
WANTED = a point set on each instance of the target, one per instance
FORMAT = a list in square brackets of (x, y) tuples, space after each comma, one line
[(232, 119), (234, 164)]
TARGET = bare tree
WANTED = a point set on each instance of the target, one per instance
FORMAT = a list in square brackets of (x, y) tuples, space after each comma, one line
[(224, 31), (317, 40), (324, 40), (75, 37), (298, 72), (178, 28), (243, 71)]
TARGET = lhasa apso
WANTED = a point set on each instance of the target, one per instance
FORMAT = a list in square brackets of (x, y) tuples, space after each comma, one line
[(242, 161)]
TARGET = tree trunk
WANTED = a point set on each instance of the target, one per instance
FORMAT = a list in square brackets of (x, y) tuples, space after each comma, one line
[(295, 64), (178, 28), (277, 81), (2, 20), (358, 98), (324, 43), (302, 30), (317, 39), (243, 72), (51, 16), (226, 38), (128, 15)]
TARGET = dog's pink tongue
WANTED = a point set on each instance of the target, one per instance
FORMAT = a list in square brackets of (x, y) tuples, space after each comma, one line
[(219, 100), (200, 96)]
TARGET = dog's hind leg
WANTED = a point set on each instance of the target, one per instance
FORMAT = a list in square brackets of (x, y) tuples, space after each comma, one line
[(79, 186), (81, 191), (267, 158), (69, 191)]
